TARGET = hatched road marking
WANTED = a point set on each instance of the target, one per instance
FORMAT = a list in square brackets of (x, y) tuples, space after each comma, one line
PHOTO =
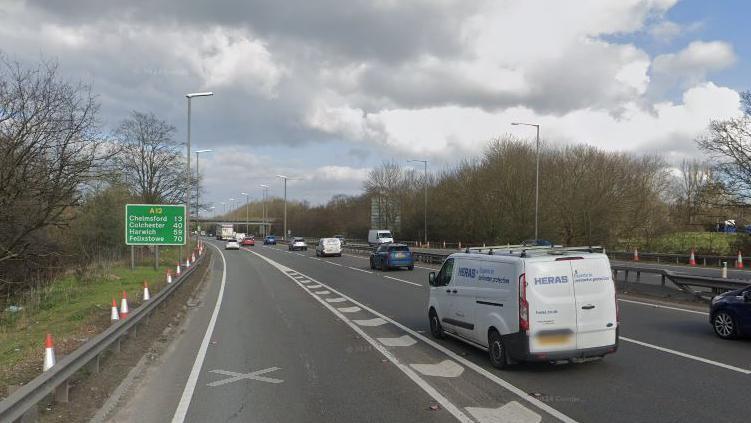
[(446, 368), (512, 412), (402, 341), (349, 309), (371, 322), (336, 300)]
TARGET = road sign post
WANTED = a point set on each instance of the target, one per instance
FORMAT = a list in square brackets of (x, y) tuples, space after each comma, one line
[(155, 224)]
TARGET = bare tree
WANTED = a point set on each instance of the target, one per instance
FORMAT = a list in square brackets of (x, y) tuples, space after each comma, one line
[(728, 142), (150, 159), (695, 176), (49, 147)]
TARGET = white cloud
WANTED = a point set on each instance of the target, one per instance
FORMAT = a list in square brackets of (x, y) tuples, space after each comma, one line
[(695, 61)]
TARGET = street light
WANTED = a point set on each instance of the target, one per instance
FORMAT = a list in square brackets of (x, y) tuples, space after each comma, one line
[(285, 178), (187, 191), (537, 173), (198, 180), (425, 183), (247, 205), (265, 189)]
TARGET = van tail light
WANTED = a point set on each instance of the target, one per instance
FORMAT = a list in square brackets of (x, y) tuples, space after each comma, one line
[(617, 310), (523, 304)]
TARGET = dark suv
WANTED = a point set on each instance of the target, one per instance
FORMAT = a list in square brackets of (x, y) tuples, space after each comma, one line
[(730, 313)]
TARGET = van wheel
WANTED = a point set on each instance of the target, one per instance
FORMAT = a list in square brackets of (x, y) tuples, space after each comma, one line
[(435, 325), (724, 325), (496, 351)]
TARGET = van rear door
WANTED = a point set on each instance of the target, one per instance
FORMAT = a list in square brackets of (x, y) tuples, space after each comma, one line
[(552, 310), (595, 302)]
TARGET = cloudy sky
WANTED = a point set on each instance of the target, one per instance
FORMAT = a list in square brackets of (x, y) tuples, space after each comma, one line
[(324, 90)]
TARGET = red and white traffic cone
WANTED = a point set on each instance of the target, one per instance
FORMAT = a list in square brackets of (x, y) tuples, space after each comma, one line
[(124, 306), (692, 258), (739, 262), (49, 353), (636, 254), (169, 276), (177, 269), (146, 295), (187, 262), (193, 258), (115, 315)]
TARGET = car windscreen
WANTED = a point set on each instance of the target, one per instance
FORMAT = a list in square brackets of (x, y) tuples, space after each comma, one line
[(398, 248), (384, 234)]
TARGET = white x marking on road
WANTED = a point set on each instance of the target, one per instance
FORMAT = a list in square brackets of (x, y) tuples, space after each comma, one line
[(240, 376)]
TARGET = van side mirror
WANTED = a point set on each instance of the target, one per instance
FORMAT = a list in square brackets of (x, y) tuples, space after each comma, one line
[(747, 296), (431, 278)]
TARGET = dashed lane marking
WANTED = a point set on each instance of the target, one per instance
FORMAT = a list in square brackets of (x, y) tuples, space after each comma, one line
[(446, 368), (689, 356), (324, 292), (703, 313), (402, 280), (359, 270), (402, 341)]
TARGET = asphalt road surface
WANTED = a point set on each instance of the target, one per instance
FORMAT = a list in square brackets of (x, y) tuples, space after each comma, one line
[(286, 336)]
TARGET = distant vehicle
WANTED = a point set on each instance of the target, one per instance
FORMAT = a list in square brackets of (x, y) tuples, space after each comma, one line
[(340, 238), (239, 236), (298, 243), (392, 256), (730, 314), (329, 247), (232, 245), (203, 233), (226, 231), (539, 305), (248, 241), (379, 236), (269, 240), (537, 243)]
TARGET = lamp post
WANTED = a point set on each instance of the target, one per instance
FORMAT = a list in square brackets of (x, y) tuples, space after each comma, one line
[(198, 182), (285, 178), (425, 184), (265, 189), (537, 174), (187, 191), (247, 205)]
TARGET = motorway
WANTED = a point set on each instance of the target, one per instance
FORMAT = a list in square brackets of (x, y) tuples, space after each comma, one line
[(285, 336)]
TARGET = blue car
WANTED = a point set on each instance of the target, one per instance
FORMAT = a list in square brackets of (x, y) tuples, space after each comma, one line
[(269, 240), (730, 313), (392, 256)]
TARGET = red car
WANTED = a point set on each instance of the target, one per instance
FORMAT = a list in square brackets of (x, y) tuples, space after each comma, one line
[(248, 241)]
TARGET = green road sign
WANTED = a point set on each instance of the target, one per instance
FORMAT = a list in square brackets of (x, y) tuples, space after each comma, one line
[(154, 224)]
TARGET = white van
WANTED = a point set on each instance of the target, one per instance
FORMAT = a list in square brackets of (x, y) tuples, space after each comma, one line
[(379, 236), (541, 304), (329, 247)]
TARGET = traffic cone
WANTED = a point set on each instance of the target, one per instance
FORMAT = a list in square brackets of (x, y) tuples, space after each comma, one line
[(692, 258), (49, 353), (177, 269), (115, 315), (124, 306), (636, 254), (193, 258), (169, 276), (187, 262), (739, 262), (146, 295)]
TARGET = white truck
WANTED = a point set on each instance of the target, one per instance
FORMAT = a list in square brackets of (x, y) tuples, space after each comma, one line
[(379, 236), (537, 304), (226, 231)]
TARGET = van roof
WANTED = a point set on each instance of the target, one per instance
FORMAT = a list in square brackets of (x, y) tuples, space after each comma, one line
[(532, 254)]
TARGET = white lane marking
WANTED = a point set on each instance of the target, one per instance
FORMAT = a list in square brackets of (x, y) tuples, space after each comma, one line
[(510, 412), (234, 376), (371, 322), (703, 313), (300, 254), (456, 357), (689, 356), (190, 385), (402, 341), (335, 264), (351, 255), (427, 268), (324, 292), (315, 258), (419, 381), (402, 280), (446, 368), (305, 281), (336, 300), (349, 309), (359, 270), (314, 286)]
